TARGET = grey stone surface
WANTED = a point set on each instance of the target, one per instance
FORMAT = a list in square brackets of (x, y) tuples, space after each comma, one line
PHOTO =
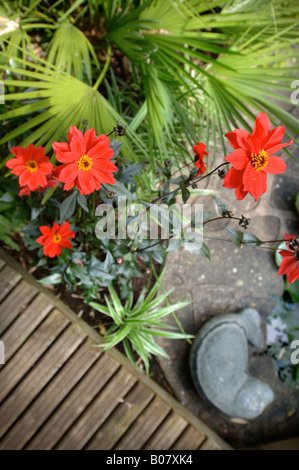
[(218, 364), (233, 280)]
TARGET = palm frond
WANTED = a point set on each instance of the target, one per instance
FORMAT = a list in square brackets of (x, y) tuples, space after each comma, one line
[(70, 50)]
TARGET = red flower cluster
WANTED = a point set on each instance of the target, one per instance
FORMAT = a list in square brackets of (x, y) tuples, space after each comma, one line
[(31, 166), (290, 259), (253, 158), (25, 191), (86, 161), (55, 238), (200, 152)]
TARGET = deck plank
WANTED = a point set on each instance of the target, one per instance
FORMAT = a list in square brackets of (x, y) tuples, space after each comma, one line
[(31, 351), (122, 417), (144, 426), (168, 432), (16, 301), (39, 376), (8, 279), (24, 326), (51, 397), (60, 392), (191, 439), (75, 404), (209, 445), (98, 411)]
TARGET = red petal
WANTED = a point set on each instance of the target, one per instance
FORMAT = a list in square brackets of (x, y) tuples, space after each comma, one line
[(275, 165), (287, 236), (39, 154), (45, 230), (255, 182), (66, 243), (233, 179), (239, 159), (36, 179), (275, 148), (69, 173), (274, 137), (288, 264), (85, 182), (240, 193), (293, 276), (74, 132), (103, 176), (78, 146), (89, 137), (238, 138), (261, 127), (13, 162), (45, 167)]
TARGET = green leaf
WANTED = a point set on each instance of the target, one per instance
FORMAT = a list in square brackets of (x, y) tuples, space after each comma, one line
[(222, 208), (185, 192), (115, 145), (205, 251), (251, 240), (82, 201), (278, 257), (297, 203), (235, 235), (174, 244), (68, 206), (10, 242), (119, 189), (51, 280), (293, 290)]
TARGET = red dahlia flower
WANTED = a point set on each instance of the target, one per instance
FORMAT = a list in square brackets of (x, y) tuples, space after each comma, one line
[(25, 191), (55, 238), (86, 161), (290, 259), (254, 158), (200, 152), (31, 166)]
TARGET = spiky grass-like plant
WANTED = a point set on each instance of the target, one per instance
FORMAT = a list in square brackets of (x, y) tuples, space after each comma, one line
[(137, 325)]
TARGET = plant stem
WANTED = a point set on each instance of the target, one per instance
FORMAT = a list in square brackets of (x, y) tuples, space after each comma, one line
[(190, 184), (104, 71)]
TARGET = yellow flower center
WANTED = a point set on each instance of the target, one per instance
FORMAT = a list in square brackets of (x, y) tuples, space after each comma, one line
[(259, 160), (84, 163), (56, 238), (32, 166)]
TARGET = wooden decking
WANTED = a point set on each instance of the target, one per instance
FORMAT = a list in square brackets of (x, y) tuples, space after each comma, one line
[(57, 391)]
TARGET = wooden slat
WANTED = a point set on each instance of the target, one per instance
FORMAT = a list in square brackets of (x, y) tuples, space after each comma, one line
[(35, 381), (80, 412), (98, 411), (8, 279), (31, 351), (191, 439), (26, 323), (209, 445), (169, 431), (145, 425), (122, 417), (51, 397), (74, 405), (2, 263), (15, 303)]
